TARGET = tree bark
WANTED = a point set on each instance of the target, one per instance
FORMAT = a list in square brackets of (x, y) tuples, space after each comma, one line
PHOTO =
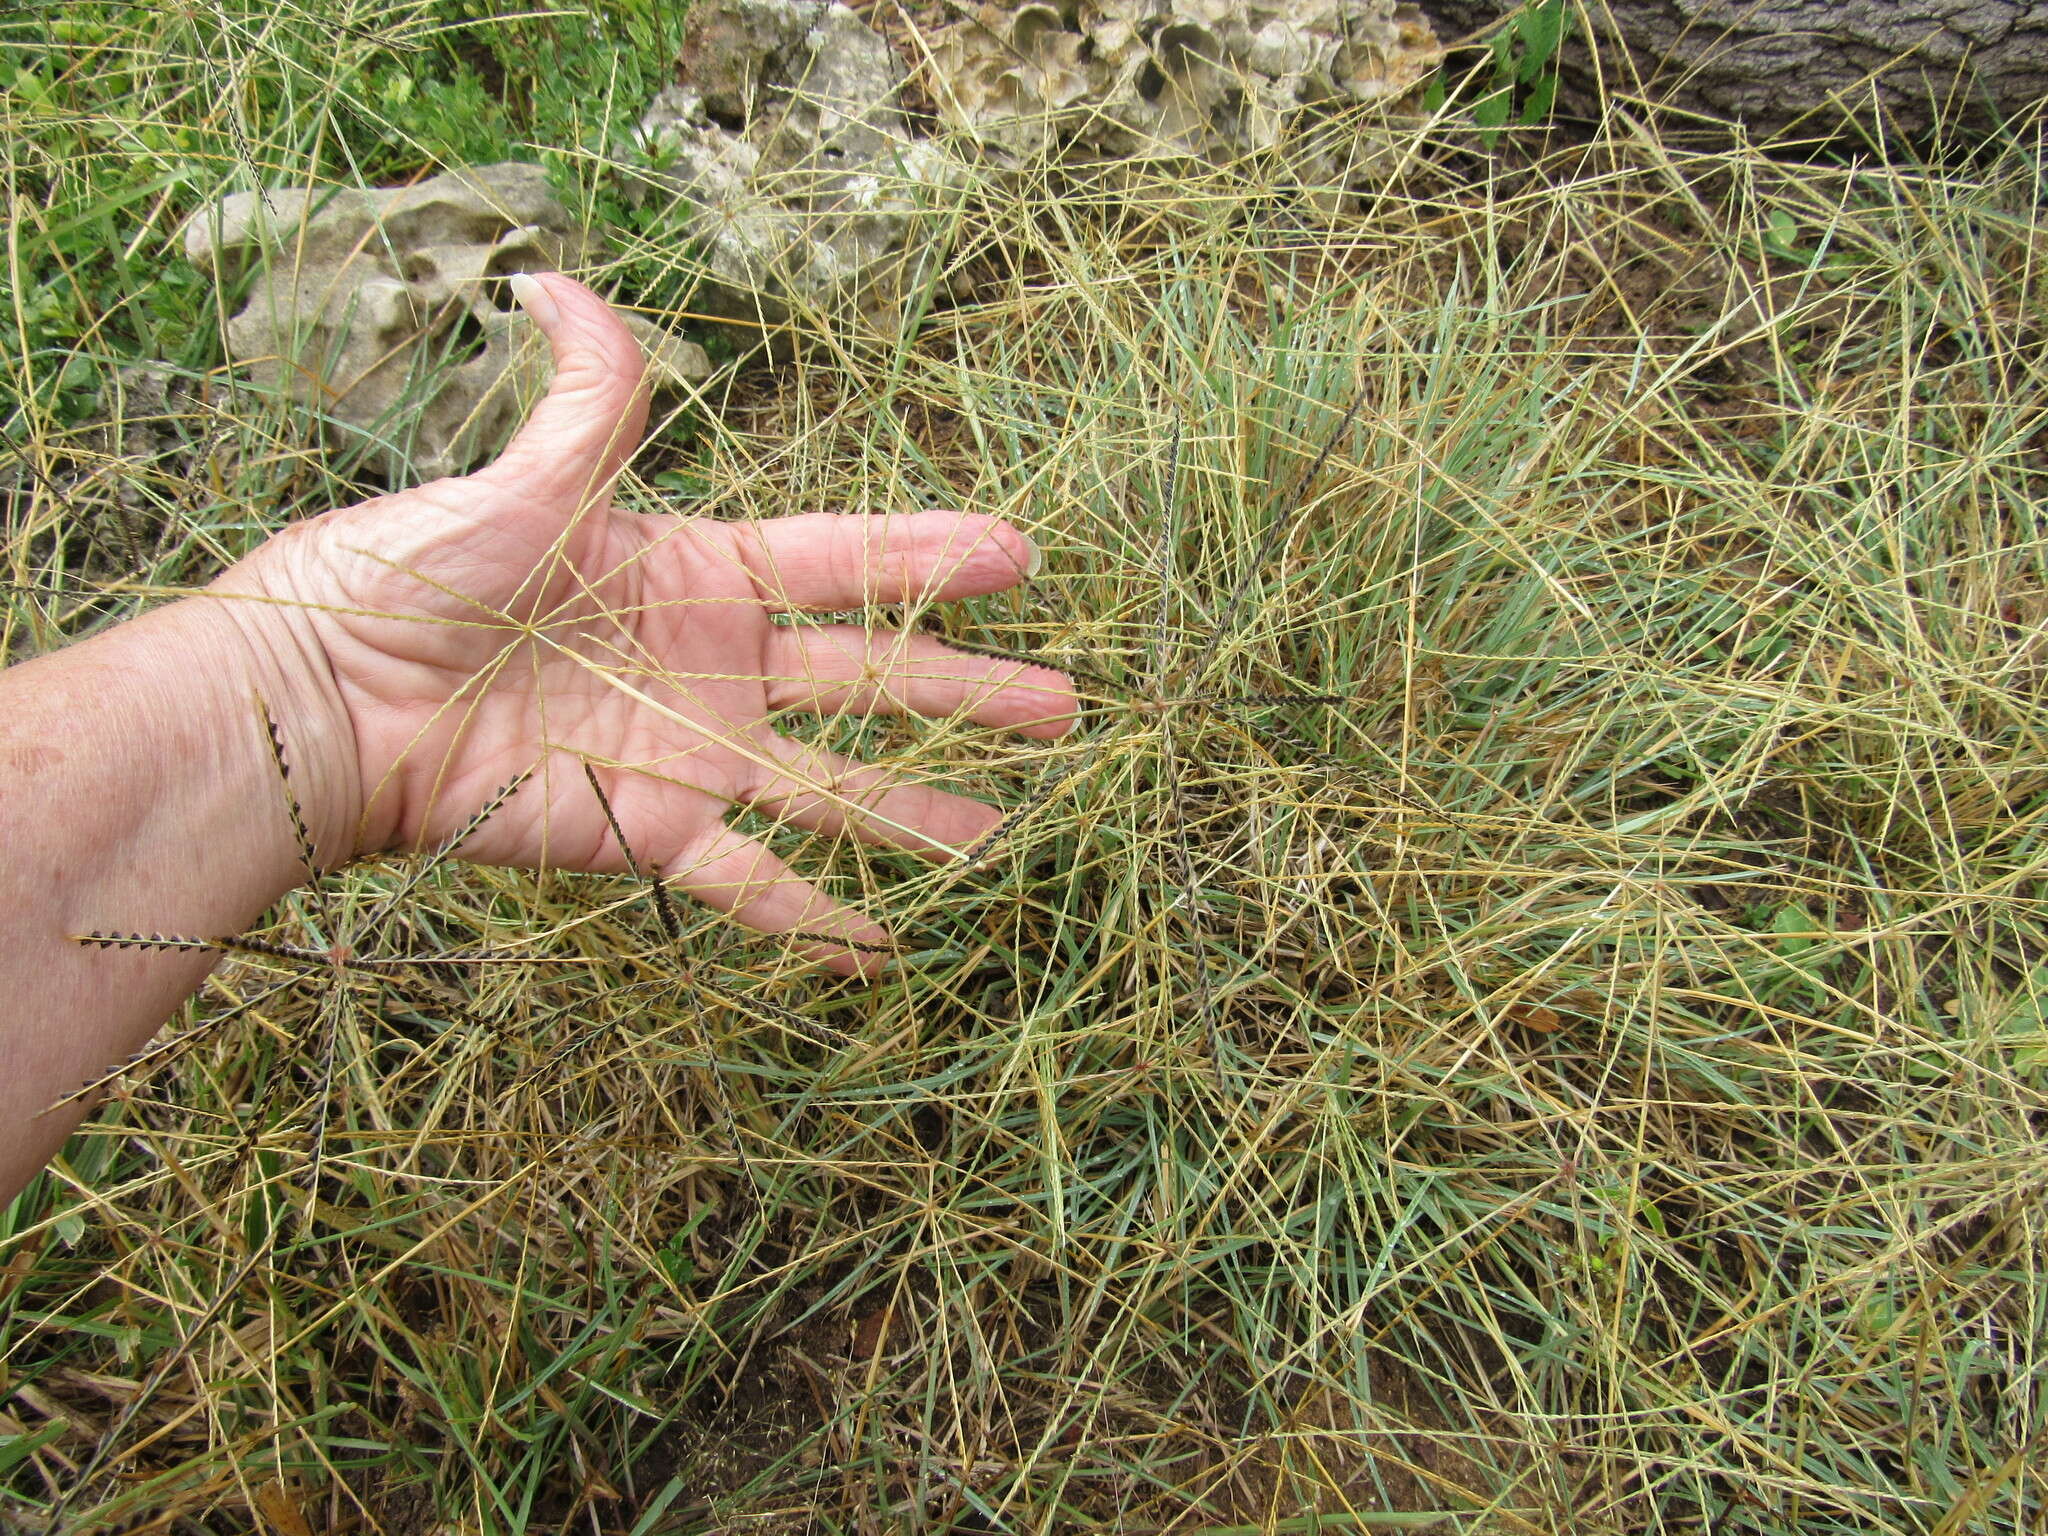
[(1803, 65)]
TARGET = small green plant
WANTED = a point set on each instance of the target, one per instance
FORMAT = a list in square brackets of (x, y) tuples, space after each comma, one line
[(1519, 85)]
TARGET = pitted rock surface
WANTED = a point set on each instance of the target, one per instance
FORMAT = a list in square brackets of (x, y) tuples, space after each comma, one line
[(799, 179), (1212, 80), (807, 192)]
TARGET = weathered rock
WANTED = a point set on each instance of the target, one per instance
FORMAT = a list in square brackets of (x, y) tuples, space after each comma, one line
[(387, 311), (804, 187), (1811, 67), (807, 191), (1208, 80)]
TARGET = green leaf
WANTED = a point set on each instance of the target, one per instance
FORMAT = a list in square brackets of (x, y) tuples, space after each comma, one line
[(2023, 1027), (15, 1449), (1541, 28), (1652, 1217), (1781, 236), (1795, 927), (1542, 97), (1928, 1068)]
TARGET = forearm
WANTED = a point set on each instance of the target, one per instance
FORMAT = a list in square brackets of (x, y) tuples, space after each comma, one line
[(136, 794)]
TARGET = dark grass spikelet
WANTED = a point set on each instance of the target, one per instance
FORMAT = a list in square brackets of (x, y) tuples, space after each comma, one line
[(232, 944), (434, 860), (103, 940), (308, 858), (775, 1013), (310, 965), (664, 904), (153, 1058), (978, 853), (496, 803)]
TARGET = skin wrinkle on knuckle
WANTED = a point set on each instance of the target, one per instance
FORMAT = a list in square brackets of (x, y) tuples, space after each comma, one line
[(756, 560)]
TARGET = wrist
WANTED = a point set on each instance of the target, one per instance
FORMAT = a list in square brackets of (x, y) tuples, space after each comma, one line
[(137, 795), (265, 653)]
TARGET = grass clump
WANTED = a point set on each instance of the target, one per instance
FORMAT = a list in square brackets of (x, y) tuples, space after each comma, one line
[(1583, 1074)]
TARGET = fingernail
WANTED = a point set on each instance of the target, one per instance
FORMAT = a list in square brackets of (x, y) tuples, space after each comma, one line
[(534, 299), (1037, 561)]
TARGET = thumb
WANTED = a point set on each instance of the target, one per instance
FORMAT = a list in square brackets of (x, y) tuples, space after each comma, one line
[(580, 436)]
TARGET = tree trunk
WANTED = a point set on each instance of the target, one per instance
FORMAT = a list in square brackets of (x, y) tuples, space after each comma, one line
[(1806, 65)]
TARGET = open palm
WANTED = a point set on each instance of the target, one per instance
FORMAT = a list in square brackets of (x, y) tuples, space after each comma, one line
[(514, 620)]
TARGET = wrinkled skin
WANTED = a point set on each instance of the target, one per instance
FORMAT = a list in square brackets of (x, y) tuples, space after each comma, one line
[(451, 637)]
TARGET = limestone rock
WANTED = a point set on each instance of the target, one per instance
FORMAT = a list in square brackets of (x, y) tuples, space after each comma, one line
[(387, 310), (1209, 80), (804, 188)]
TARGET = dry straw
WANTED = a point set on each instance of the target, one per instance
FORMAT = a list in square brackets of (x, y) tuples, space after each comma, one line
[(1520, 1007)]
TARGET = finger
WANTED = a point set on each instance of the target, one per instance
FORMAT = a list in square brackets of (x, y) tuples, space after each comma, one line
[(835, 561), (836, 668), (581, 434), (737, 875), (829, 793)]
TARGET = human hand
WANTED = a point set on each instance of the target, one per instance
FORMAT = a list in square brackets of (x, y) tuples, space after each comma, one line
[(437, 642)]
